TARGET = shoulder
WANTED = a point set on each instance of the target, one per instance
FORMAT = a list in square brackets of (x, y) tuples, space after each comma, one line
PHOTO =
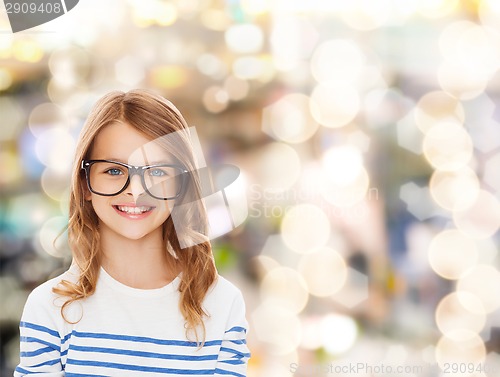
[(224, 287), (43, 295), (225, 305), (224, 294)]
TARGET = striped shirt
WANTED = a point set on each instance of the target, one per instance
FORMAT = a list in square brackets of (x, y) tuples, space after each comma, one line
[(124, 331)]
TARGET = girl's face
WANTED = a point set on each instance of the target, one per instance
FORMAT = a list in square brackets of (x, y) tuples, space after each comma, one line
[(132, 214)]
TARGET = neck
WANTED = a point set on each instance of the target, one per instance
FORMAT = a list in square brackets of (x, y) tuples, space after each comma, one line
[(141, 263)]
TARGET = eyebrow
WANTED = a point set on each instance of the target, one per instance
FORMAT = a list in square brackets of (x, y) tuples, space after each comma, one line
[(158, 162)]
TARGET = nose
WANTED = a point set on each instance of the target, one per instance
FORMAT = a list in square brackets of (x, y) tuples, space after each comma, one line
[(135, 187)]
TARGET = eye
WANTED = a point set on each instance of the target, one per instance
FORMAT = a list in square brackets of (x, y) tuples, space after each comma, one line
[(156, 172), (113, 171)]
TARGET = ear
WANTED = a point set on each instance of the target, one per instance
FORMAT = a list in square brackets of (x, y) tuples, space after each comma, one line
[(87, 195)]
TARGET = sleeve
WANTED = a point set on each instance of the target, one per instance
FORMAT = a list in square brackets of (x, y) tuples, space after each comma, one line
[(234, 353), (40, 342)]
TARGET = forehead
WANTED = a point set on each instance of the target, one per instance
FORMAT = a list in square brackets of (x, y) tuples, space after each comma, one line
[(122, 142)]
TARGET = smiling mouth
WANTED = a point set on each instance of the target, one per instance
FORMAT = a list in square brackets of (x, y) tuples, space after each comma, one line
[(134, 210)]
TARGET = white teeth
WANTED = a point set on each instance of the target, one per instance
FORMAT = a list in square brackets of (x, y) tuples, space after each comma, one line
[(134, 210)]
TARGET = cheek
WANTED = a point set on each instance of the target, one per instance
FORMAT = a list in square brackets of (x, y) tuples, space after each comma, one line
[(100, 206)]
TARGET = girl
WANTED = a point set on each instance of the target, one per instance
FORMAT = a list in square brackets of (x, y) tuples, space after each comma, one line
[(135, 301)]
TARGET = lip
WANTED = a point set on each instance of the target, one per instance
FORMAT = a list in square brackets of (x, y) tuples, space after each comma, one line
[(133, 216)]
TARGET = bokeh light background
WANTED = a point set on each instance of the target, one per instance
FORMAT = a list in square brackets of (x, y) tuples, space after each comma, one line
[(368, 138)]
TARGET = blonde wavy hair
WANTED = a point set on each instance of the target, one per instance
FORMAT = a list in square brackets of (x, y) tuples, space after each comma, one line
[(155, 117)]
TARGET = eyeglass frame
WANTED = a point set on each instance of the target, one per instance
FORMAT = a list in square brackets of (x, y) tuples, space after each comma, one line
[(133, 170)]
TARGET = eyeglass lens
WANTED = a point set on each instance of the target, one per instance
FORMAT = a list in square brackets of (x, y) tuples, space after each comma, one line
[(109, 178)]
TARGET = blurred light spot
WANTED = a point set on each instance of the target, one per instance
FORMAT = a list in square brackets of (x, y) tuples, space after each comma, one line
[(448, 146), (491, 170), (70, 67), (385, 106), (276, 249), (10, 167), (342, 164), (482, 218), (265, 264), (289, 119), (451, 254), (334, 105), (473, 45), (211, 65), (5, 79), (345, 180), (12, 118), (55, 183), (489, 13), (286, 55), (129, 70), (6, 44), (34, 270), (64, 203), (409, 137), (55, 148), (215, 99), (26, 214), (474, 283), (237, 89), (251, 67), (324, 270), (337, 60), (359, 140), (299, 6), (58, 94), (278, 327), (338, 333), (451, 315), (437, 8), (244, 38), (278, 167), (418, 201), (311, 333), (49, 240), (31, 165), (485, 134), (305, 228), (169, 77), (396, 354), (454, 190), (26, 50), (166, 14), (366, 14), (150, 12), (470, 349), (345, 194), (436, 107), (45, 116), (71, 106), (255, 7), (488, 251), (370, 78), (461, 79), (285, 287), (215, 19), (354, 291)]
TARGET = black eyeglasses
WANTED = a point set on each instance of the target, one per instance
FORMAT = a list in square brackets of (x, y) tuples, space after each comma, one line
[(109, 178)]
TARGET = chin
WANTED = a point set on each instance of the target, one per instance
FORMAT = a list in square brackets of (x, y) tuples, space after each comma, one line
[(135, 237)]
